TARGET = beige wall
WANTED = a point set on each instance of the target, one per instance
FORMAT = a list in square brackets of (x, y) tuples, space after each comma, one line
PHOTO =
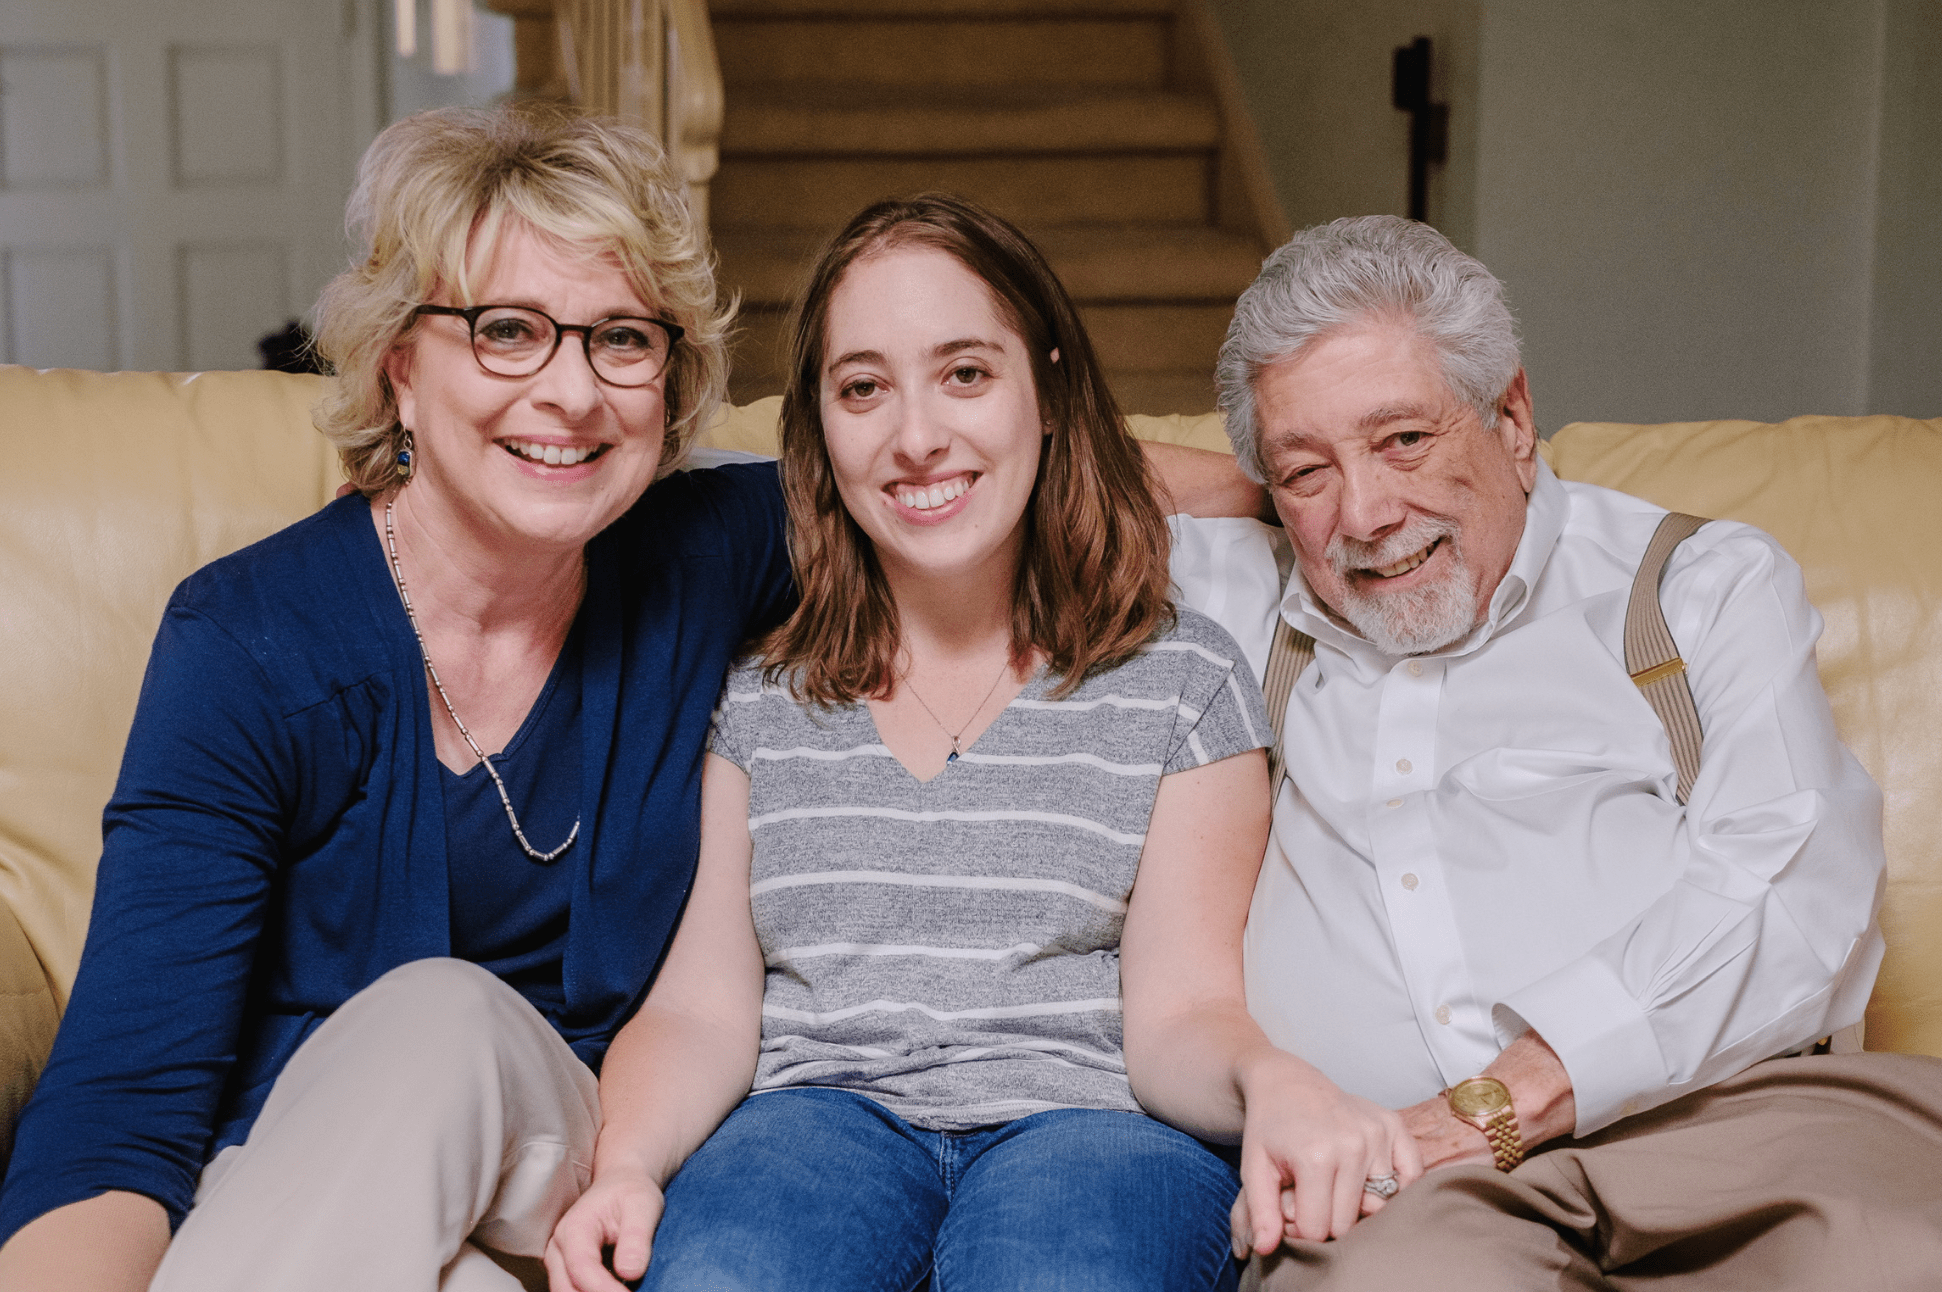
[(1701, 208)]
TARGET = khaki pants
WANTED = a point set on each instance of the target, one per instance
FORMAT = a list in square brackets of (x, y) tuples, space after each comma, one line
[(433, 1117), (1810, 1173)]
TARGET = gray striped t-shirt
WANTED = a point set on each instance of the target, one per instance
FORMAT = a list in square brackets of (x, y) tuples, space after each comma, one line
[(950, 948)]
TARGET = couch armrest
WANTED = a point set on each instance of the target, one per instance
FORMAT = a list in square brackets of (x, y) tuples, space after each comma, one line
[(27, 1022)]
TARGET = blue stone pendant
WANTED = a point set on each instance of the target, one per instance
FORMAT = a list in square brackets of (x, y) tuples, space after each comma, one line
[(951, 757)]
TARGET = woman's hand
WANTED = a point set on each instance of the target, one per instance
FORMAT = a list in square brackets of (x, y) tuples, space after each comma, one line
[(681, 1064), (619, 1210), (1307, 1147)]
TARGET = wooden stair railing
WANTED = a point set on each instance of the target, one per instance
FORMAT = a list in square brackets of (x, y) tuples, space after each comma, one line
[(651, 62)]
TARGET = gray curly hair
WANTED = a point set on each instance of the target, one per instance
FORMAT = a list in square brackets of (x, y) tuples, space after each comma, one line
[(1371, 266), (432, 182)]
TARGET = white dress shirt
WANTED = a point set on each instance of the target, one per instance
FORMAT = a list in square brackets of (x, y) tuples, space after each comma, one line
[(1486, 838)]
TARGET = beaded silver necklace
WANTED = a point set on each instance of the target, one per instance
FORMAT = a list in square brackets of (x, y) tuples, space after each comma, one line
[(398, 577)]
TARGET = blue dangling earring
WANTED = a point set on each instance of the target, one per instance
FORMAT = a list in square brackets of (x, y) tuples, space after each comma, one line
[(404, 458)]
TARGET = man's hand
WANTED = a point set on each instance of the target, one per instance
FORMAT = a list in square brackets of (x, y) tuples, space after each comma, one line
[(1540, 1093), (1443, 1138)]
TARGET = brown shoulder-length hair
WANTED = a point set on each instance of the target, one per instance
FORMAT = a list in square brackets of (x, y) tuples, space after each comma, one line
[(1092, 585)]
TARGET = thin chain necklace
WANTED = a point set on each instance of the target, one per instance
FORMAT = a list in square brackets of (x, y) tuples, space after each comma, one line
[(955, 736), (398, 577)]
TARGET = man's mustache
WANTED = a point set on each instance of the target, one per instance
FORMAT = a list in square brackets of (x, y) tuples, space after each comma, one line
[(1347, 556)]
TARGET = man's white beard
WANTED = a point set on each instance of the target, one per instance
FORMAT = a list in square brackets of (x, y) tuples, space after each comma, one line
[(1417, 621)]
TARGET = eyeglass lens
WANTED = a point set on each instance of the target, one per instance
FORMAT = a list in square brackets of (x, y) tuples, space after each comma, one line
[(516, 342)]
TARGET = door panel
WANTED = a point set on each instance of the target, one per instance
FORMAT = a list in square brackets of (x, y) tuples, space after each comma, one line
[(173, 174)]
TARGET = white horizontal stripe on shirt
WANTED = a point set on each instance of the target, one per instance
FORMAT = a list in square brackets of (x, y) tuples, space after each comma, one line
[(1037, 1009), (1007, 883), (899, 814), (822, 755), (1098, 1060), (1081, 706), (888, 949), (1044, 1045), (860, 1051), (1082, 759), (1008, 1105), (1195, 647)]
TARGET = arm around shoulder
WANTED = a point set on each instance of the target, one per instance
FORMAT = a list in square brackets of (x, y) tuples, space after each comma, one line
[(1202, 482)]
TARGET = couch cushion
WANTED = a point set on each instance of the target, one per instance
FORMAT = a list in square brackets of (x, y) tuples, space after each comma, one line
[(27, 1022), (1854, 500), (123, 483), (117, 486)]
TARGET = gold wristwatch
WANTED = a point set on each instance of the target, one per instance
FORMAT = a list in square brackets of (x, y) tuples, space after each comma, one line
[(1484, 1102)]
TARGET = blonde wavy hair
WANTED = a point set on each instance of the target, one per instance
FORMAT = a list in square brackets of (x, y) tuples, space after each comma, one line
[(434, 181)]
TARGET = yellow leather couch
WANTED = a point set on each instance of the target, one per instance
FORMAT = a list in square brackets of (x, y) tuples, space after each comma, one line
[(117, 485)]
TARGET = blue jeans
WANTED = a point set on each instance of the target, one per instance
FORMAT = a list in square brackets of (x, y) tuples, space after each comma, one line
[(827, 1191)]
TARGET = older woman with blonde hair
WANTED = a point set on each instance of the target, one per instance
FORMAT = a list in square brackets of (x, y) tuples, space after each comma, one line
[(409, 807)]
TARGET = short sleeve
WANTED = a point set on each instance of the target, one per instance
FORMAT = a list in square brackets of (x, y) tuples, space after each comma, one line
[(729, 735), (1221, 710)]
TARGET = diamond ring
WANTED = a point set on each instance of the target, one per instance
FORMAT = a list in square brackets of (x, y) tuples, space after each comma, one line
[(1383, 1186)]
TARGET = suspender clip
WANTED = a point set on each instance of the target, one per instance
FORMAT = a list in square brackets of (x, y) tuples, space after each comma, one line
[(1659, 672)]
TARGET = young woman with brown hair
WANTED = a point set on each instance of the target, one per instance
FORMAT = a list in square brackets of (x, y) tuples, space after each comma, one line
[(979, 1051)]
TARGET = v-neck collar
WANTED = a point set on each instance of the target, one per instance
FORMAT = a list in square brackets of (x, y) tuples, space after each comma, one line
[(1033, 689)]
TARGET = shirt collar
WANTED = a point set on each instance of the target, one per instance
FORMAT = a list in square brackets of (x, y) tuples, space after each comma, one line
[(1544, 516)]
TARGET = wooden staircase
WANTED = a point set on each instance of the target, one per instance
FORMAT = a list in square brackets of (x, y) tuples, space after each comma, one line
[(1108, 129)]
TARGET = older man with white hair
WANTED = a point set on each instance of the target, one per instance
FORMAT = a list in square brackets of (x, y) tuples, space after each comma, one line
[(1566, 850)]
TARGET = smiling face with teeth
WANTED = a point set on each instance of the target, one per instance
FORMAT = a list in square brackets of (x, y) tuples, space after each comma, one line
[(1403, 508), (549, 459), (930, 416)]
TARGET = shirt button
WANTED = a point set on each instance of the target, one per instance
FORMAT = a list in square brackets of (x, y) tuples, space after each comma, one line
[(1443, 1014), (1415, 668), (1409, 882), (1395, 802), (1402, 765)]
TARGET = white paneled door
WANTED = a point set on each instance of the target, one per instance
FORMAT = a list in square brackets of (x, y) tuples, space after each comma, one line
[(173, 173)]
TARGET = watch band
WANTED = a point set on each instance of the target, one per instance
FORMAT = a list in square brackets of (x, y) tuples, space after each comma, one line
[(1506, 1142)]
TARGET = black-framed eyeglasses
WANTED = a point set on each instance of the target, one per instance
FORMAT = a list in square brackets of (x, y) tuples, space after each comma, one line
[(515, 341)]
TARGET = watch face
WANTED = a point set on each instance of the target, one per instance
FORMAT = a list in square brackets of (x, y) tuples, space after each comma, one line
[(1479, 1097)]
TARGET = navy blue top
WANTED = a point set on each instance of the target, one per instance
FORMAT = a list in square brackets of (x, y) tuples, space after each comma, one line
[(277, 838), (509, 912)]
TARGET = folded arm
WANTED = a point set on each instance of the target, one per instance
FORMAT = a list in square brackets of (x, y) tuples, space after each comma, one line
[(683, 1061), (1766, 938)]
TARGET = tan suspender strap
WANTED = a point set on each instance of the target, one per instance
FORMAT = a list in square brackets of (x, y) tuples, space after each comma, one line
[(1652, 657), (1288, 657)]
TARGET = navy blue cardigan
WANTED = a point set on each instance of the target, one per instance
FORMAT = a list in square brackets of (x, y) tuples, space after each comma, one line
[(276, 840)]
